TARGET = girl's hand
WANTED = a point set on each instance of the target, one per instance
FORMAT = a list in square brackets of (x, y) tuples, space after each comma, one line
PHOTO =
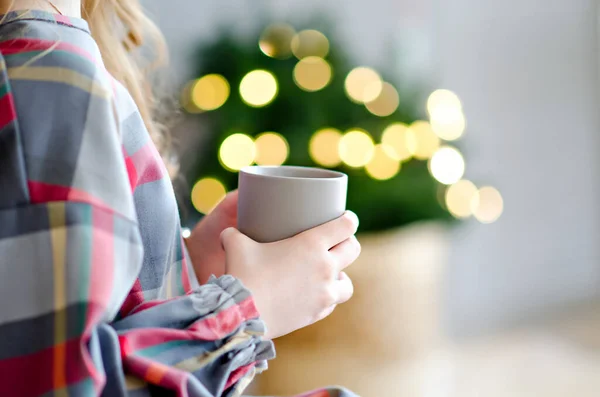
[(204, 245), (298, 281)]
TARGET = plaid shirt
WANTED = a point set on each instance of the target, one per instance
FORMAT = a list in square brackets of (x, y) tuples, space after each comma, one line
[(98, 293)]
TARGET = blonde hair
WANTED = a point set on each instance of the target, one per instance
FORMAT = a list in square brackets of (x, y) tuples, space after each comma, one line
[(132, 48), (123, 32)]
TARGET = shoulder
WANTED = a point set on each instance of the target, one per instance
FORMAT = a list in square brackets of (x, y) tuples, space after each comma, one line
[(46, 59), (58, 95), (64, 111), (63, 71)]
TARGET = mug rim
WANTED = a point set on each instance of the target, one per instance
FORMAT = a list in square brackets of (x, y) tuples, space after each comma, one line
[(325, 175)]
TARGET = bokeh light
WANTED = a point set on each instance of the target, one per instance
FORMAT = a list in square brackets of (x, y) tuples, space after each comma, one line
[(312, 73), (237, 151), (447, 165), (323, 147), (209, 92), (363, 85), (442, 99), (356, 148), (258, 88), (382, 166), (394, 140), (448, 124), (487, 205), (185, 98), (310, 43), (206, 194), (458, 198), (276, 41), (271, 149), (421, 141), (446, 115), (385, 103)]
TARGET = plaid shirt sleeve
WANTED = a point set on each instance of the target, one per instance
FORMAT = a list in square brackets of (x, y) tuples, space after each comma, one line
[(70, 251)]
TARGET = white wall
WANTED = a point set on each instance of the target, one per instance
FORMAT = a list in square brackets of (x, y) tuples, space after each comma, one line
[(527, 72)]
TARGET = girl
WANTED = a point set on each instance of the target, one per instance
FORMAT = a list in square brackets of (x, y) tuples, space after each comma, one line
[(100, 294)]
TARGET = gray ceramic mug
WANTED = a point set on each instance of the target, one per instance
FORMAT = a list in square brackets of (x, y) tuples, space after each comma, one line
[(277, 202)]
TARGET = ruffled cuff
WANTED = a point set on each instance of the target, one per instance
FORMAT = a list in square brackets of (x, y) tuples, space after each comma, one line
[(213, 333)]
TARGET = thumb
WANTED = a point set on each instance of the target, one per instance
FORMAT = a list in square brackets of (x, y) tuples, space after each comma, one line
[(230, 237)]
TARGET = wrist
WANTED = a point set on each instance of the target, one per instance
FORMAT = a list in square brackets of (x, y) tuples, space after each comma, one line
[(261, 309), (249, 306)]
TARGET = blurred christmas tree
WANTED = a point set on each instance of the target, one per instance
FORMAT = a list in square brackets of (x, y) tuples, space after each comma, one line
[(293, 97)]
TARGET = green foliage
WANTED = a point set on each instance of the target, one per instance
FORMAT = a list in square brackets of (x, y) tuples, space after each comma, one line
[(296, 114)]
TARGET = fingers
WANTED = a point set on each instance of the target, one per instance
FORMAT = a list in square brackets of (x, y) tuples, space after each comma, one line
[(326, 313), (231, 198), (334, 232), (346, 252), (344, 288), (229, 202), (231, 237)]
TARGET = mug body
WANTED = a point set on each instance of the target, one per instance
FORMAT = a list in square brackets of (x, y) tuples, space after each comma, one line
[(278, 202)]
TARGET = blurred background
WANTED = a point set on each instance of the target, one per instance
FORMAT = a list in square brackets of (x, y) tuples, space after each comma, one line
[(469, 130)]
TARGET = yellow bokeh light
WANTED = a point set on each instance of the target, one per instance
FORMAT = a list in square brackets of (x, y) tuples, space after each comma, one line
[(448, 124), (386, 102), (237, 151), (207, 193), (442, 99), (258, 88), (447, 165), (185, 98), (394, 140), (323, 147), (276, 41), (487, 205), (312, 73), (382, 166), (446, 114), (458, 198), (209, 92), (271, 149), (310, 43), (363, 85), (356, 148), (421, 141)]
